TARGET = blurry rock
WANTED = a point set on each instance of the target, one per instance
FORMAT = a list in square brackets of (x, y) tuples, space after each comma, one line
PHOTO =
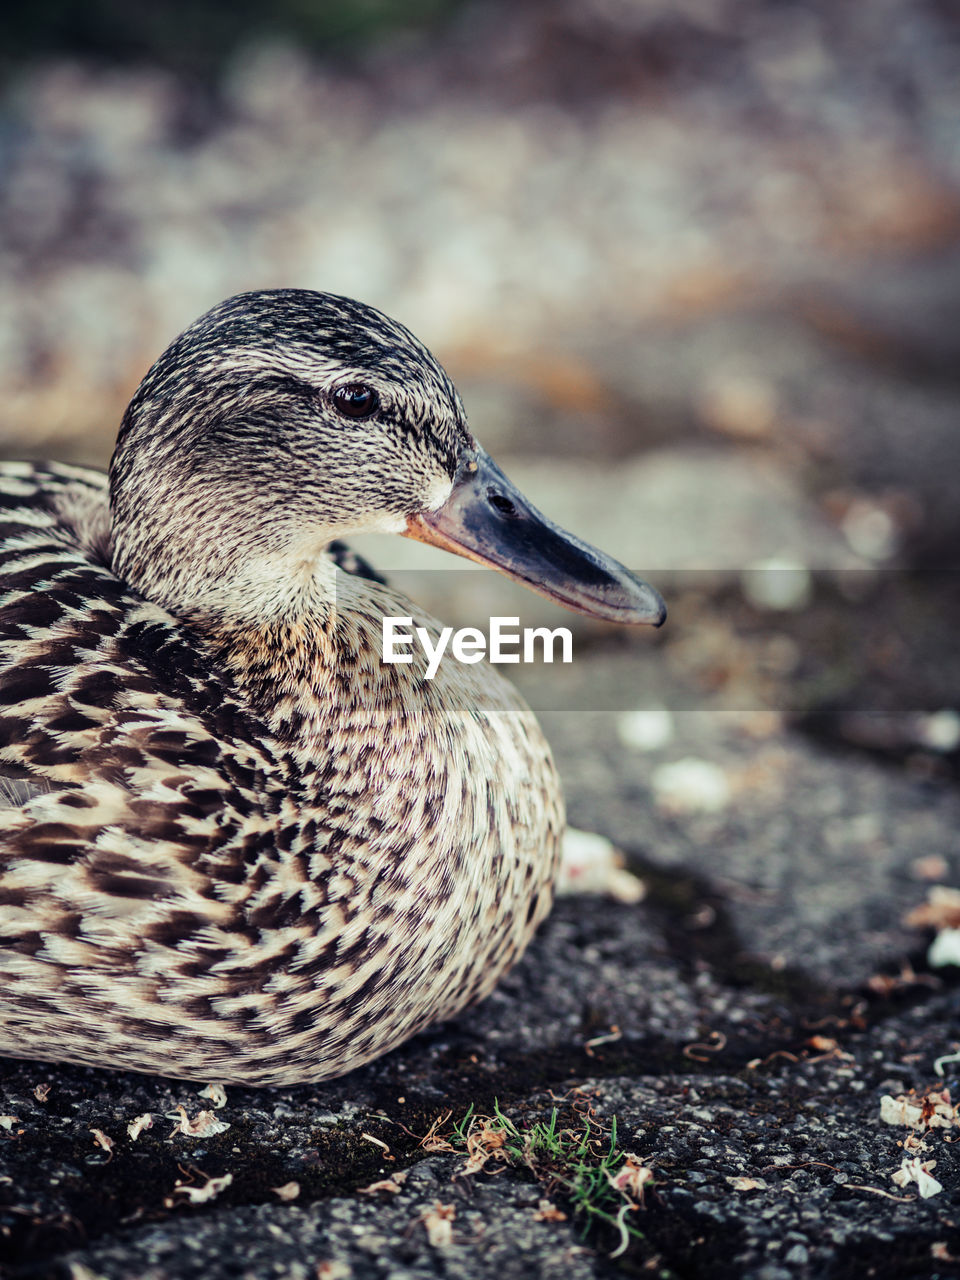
[(777, 584), (739, 405), (691, 786), (645, 730), (939, 731), (929, 868), (870, 531)]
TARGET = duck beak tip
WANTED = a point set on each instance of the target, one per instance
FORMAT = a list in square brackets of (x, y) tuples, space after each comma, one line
[(486, 519)]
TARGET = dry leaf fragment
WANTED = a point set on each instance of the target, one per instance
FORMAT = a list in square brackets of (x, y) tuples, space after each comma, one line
[(333, 1269), (392, 1184), (940, 911), (631, 1178), (137, 1126), (933, 866), (611, 1037), (886, 984), (932, 1111), (938, 1111), (747, 1184), (289, 1191), (716, 1043), (945, 949), (592, 864), (439, 1224), (484, 1141), (216, 1093), (204, 1125), (913, 1169), (378, 1142), (900, 1110), (431, 1140), (943, 1059), (102, 1140), (42, 1092), (200, 1195), (7, 1122), (547, 1212)]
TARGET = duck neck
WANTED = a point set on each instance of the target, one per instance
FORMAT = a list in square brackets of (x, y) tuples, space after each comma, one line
[(275, 628)]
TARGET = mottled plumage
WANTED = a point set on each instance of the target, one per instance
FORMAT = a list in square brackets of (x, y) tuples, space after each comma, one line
[(234, 844)]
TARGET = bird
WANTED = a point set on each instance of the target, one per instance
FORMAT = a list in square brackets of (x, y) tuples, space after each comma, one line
[(235, 844)]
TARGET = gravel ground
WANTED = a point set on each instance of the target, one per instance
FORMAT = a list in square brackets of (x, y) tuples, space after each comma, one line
[(740, 1025)]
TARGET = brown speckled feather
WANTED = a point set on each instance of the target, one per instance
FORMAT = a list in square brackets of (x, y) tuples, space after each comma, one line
[(249, 854)]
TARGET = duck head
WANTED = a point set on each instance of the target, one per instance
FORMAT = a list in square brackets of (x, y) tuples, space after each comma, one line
[(284, 419)]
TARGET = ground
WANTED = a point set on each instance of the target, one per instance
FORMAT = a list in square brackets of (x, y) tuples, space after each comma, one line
[(740, 1025)]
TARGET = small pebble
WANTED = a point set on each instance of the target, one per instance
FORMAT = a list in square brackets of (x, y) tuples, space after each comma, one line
[(940, 731), (691, 786), (870, 531), (778, 584), (645, 730)]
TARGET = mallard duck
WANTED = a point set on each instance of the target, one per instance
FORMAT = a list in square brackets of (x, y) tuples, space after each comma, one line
[(236, 845)]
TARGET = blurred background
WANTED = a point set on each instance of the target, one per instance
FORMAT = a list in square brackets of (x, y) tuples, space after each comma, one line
[(694, 264)]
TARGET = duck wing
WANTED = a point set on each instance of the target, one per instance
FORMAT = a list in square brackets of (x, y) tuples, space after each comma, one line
[(137, 793)]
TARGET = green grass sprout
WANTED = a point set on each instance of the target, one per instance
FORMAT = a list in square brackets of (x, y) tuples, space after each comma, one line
[(578, 1159)]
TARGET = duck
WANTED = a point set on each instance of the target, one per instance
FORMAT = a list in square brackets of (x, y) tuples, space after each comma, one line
[(235, 844)]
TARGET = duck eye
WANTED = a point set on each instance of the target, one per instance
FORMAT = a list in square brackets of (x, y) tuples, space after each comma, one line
[(356, 400)]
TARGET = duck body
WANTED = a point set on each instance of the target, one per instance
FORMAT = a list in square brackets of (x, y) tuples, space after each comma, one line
[(234, 844)]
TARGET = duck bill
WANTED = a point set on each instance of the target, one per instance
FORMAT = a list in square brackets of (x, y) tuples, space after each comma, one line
[(487, 519)]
